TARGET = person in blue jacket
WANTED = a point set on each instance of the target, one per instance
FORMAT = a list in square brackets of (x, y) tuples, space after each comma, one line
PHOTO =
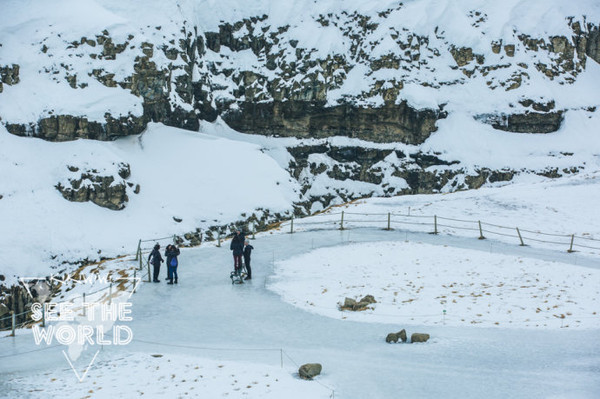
[(171, 253)]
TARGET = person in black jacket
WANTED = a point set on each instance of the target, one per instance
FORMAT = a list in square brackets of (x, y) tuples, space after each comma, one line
[(156, 260), (237, 246), (247, 251), (171, 253)]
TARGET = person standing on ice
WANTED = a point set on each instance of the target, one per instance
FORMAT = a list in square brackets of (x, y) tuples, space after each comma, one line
[(171, 253), (247, 251), (156, 260), (237, 246)]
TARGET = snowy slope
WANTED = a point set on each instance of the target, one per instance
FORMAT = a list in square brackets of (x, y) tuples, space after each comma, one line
[(200, 179)]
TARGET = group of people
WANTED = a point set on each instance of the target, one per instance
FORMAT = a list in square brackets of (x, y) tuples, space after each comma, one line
[(171, 253), (239, 246)]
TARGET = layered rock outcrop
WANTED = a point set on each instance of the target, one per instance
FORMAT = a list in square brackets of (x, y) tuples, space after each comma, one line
[(107, 191)]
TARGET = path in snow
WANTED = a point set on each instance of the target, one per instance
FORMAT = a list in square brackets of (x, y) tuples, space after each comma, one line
[(205, 310)]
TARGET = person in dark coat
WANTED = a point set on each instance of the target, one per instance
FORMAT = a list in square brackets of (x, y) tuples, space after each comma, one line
[(247, 251), (156, 260), (171, 253), (237, 246)]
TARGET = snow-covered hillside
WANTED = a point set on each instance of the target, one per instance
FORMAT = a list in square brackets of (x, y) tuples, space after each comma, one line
[(186, 181)]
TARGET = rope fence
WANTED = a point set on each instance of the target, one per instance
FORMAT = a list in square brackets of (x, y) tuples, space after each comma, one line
[(435, 224)]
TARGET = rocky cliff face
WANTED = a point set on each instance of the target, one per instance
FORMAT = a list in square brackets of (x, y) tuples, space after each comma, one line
[(364, 75), (263, 78)]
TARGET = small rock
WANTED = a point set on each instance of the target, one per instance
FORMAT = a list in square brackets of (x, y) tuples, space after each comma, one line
[(349, 303), (361, 305), (310, 370), (156, 355), (419, 337), (369, 299), (392, 337)]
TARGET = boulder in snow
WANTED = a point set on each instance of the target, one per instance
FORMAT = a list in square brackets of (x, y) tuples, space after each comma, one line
[(419, 337), (309, 370)]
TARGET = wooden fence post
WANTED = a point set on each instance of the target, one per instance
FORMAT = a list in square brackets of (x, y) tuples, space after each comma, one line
[(292, 225), (481, 237), (14, 322), (520, 238), (571, 247), (137, 252), (389, 224), (435, 230), (219, 239), (342, 222)]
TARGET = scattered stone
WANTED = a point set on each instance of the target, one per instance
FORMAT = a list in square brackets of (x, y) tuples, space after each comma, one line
[(178, 220), (156, 355), (419, 337), (310, 370)]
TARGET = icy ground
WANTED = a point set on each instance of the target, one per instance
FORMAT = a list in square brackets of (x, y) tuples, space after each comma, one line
[(206, 322)]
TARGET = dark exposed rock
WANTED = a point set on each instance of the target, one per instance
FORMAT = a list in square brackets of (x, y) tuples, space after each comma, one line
[(528, 122), (67, 127), (101, 190), (592, 45), (390, 123), (462, 55), (539, 106), (9, 75)]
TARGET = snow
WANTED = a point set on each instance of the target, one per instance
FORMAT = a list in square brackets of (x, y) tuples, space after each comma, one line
[(419, 282), (176, 376), (182, 174)]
